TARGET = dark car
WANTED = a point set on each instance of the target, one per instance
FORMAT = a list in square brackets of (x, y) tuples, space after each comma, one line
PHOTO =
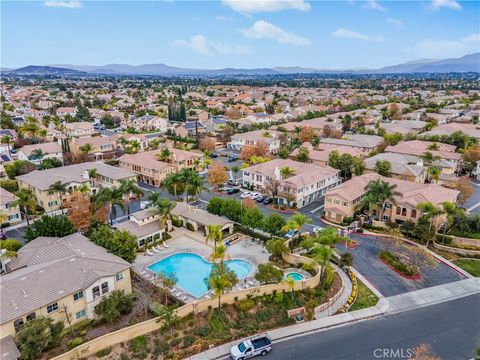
[(3, 236), (213, 155), (260, 198), (233, 191), (267, 200), (232, 158)]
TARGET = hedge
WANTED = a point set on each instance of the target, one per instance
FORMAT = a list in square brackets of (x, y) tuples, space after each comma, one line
[(395, 262)]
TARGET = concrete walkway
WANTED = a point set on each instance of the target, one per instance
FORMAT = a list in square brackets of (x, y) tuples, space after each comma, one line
[(342, 300), (385, 306)]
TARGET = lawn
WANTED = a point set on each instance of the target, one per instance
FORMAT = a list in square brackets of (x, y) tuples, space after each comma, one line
[(365, 299), (471, 266)]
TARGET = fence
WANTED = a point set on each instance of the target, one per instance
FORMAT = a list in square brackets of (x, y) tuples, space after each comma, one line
[(145, 327)]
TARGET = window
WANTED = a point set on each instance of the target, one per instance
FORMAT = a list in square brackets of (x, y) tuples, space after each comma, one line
[(18, 324), (31, 316), (13, 217), (52, 308), (397, 211), (80, 314), (104, 288), (385, 218), (345, 203), (388, 205), (78, 296), (96, 292), (414, 213), (404, 212), (119, 276)]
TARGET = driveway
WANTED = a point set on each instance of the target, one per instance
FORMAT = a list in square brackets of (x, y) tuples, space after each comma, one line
[(388, 282)]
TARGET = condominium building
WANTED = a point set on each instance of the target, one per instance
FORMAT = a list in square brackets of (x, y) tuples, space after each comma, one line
[(9, 207)]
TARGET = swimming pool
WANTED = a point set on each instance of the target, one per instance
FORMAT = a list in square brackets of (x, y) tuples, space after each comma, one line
[(295, 276), (191, 269)]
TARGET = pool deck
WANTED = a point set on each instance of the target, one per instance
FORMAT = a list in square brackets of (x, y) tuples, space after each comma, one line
[(185, 241)]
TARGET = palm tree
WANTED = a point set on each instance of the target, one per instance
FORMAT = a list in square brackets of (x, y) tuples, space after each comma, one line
[(37, 154), (430, 212), (219, 253), (59, 188), (7, 140), (435, 173), (368, 201), (235, 169), (131, 190), (92, 175), (26, 201), (286, 172), (164, 208), (383, 192), (220, 280), (428, 159), (111, 198), (322, 256), (86, 149), (291, 284), (122, 141), (3, 218), (196, 184), (295, 223), (134, 146), (187, 175), (164, 155), (173, 181), (214, 232)]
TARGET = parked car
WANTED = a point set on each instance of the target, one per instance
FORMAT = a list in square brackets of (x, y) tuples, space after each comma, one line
[(290, 234), (318, 229), (267, 200), (245, 194), (231, 191), (233, 182), (3, 236), (213, 155), (257, 345), (260, 198), (232, 158)]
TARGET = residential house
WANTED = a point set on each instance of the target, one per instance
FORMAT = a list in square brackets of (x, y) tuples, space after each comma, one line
[(73, 176), (404, 127), (358, 141), (63, 111), (271, 138), (79, 129), (448, 129), (149, 123), (9, 207), (102, 146), (320, 155), (145, 225), (307, 183), (48, 150), (404, 167), (59, 278), (341, 201)]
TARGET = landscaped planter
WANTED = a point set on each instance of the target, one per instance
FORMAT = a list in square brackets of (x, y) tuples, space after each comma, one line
[(393, 263)]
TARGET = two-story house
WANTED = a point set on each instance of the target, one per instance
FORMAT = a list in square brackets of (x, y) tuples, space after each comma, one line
[(252, 138), (9, 207), (35, 153)]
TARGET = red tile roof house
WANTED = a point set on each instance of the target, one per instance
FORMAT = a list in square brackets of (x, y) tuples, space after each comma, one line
[(320, 155), (340, 201), (49, 150), (307, 183), (252, 138)]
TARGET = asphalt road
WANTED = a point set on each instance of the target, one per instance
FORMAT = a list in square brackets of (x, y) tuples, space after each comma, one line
[(473, 203), (451, 330), (388, 282)]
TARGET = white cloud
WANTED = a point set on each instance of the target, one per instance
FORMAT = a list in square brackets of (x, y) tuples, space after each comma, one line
[(449, 4), (201, 45), (223, 18), (256, 6), (446, 48), (373, 5), (349, 34), (265, 30), (395, 22), (74, 4)]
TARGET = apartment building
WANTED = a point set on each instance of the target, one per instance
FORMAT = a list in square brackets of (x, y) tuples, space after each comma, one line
[(341, 201), (73, 176), (35, 153), (305, 183), (251, 138), (59, 278), (9, 207), (153, 171)]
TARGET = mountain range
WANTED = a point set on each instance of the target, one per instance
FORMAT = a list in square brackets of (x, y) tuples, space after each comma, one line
[(467, 63)]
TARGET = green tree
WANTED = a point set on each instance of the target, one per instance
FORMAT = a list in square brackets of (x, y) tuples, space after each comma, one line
[(50, 163), (214, 232), (111, 307), (276, 247), (174, 184), (268, 273), (18, 167), (51, 226), (322, 255), (120, 243), (286, 172), (166, 281), (164, 208), (131, 190), (296, 223), (430, 213), (86, 149), (9, 185), (221, 279), (26, 201), (428, 159), (273, 224), (112, 198), (303, 155), (59, 188), (252, 218), (38, 335), (384, 168), (382, 193)]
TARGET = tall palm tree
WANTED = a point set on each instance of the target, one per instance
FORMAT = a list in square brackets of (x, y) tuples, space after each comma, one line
[(134, 146), (111, 198), (291, 284), (430, 212), (428, 159), (164, 208), (131, 190), (173, 181), (196, 184), (214, 232), (368, 201), (37, 154), (383, 192), (219, 253), (322, 255), (295, 223), (164, 155), (286, 172), (435, 173), (59, 188), (86, 149), (235, 169), (187, 175), (92, 175), (220, 280), (26, 201)]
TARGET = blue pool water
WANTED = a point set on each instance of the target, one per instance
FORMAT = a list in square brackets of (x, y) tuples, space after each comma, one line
[(191, 269), (295, 276)]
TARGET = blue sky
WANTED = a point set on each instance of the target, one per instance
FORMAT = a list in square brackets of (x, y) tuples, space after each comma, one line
[(237, 33)]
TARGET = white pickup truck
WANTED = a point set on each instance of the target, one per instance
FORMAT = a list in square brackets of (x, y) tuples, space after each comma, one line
[(258, 345)]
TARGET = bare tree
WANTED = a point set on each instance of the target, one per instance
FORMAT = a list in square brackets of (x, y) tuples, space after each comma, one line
[(272, 187)]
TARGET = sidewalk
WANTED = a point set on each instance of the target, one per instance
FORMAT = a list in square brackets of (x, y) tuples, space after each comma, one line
[(385, 306), (342, 300)]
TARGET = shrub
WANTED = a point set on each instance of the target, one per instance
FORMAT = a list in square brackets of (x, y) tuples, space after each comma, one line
[(75, 342), (5, 225), (175, 342), (138, 344), (113, 306), (105, 352), (188, 340), (52, 226), (395, 262), (120, 243), (10, 244), (190, 226), (177, 222), (245, 305), (202, 331), (268, 273)]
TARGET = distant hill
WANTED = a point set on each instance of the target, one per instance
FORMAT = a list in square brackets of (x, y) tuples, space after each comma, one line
[(467, 63), (43, 70)]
